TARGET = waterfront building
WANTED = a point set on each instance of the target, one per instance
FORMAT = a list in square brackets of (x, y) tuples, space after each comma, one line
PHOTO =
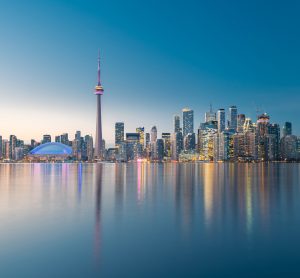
[(89, 147), (288, 147), (221, 120), (207, 141), (245, 146), (159, 156), (298, 148), (177, 124), (153, 134), (141, 132), (287, 129), (46, 138), (1, 147), (76, 149), (262, 130), (57, 139), (167, 143), (77, 135), (119, 133), (19, 153), (190, 142), (6, 149), (12, 146), (274, 141), (233, 118), (112, 154), (147, 139), (223, 146), (249, 126), (176, 145), (210, 116), (240, 122), (122, 152), (187, 121), (147, 147), (133, 147), (64, 139)]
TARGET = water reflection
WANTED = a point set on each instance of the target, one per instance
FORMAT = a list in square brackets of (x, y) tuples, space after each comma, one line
[(109, 209), (98, 193)]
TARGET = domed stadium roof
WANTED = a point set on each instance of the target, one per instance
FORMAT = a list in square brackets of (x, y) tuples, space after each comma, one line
[(52, 149)]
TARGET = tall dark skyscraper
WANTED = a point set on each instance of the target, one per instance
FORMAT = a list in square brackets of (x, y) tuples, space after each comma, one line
[(176, 123), (187, 121), (1, 153), (46, 138), (287, 129), (274, 141), (221, 120), (99, 92), (153, 134), (119, 133), (233, 117), (241, 120), (262, 130)]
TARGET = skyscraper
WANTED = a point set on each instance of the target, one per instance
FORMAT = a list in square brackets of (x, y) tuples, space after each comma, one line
[(221, 120), (147, 140), (262, 131), (159, 155), (133, 146), (187, 121), (46, 138), (240, 122), (153, 134), (274, 141), (64, 139), (141, 132), (176, 123), (167, 143), (210, 116), (287, 129), (57, 139), (189, 142), (1, 153), (99, 92), (288, 147), (177, 145), (12, 146), (78, 135), (233, 117), (119, 133), (89, 147)]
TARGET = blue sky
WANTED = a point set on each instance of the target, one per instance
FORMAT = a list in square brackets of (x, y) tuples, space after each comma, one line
[(157, 58)]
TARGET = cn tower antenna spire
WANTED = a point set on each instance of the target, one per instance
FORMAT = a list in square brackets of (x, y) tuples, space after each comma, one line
[(99, 80)]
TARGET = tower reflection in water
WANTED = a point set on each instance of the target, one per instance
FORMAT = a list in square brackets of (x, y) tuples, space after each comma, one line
[(98, 192)]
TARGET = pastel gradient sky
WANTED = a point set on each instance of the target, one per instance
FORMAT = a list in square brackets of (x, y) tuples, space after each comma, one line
[(157, 57)]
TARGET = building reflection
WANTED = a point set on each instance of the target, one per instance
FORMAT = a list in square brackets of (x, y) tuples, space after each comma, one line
[(79, 180), (184, 176), (120, 172), (98, 198)]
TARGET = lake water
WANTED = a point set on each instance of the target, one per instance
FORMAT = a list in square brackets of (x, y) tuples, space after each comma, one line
[(150, 220)]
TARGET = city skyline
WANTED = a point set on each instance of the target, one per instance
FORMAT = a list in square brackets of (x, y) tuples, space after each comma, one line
[(230, 61)]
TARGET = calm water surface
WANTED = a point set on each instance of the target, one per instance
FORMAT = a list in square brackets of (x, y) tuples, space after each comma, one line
[(150, 220)]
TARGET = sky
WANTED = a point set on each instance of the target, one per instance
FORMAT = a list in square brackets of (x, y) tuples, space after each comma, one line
[(157, 57)]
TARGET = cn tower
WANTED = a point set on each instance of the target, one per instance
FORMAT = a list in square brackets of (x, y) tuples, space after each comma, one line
[(98, 92)]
